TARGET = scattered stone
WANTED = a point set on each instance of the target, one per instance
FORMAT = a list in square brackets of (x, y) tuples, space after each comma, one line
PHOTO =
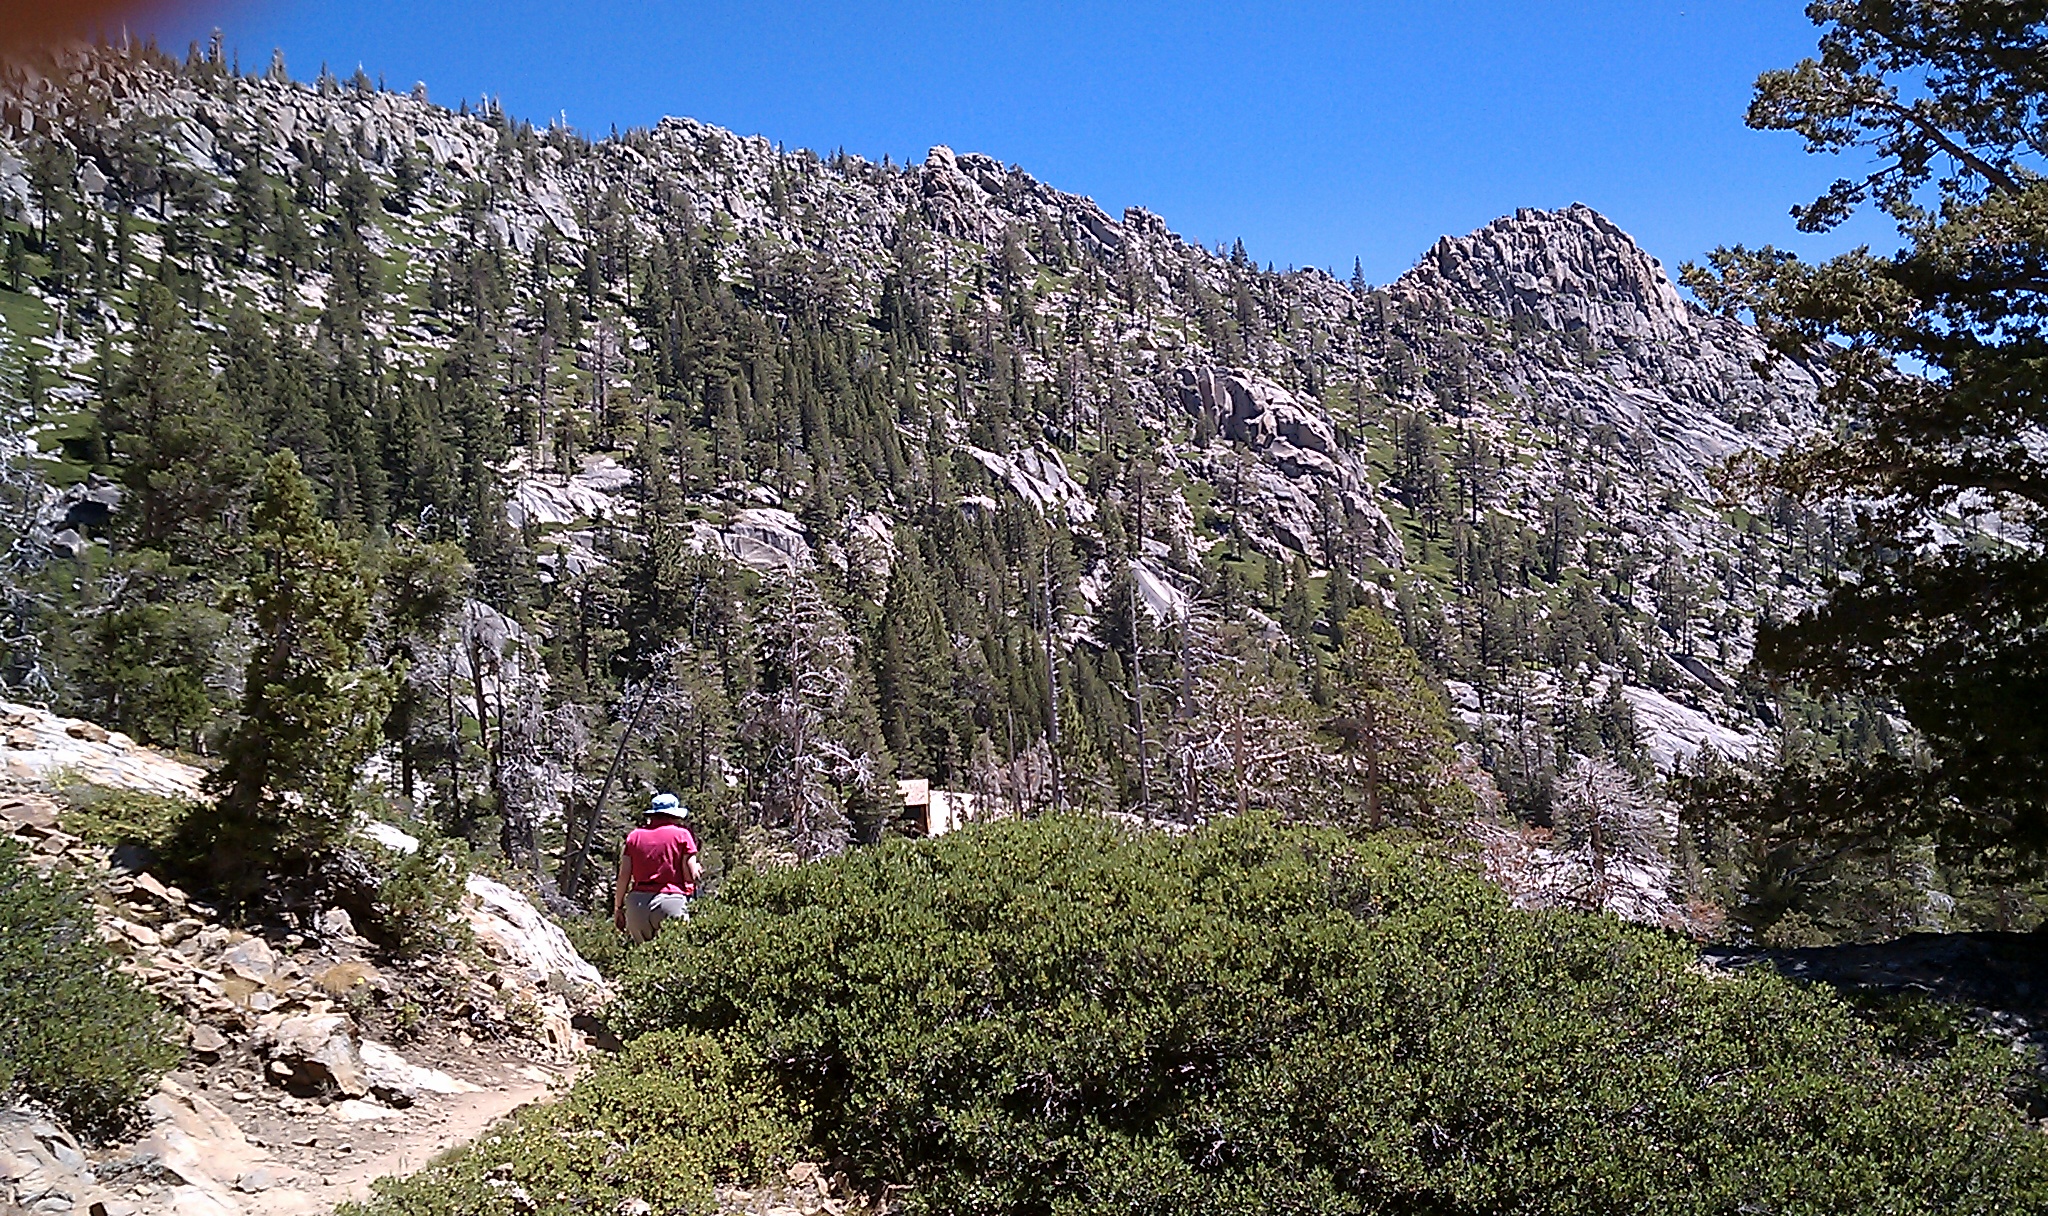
[(141, 935), (88, 731), (206, 1042), (28, 810), (335, 922), (252, 960), (145, 883), (363, 1110), (260, 1179)]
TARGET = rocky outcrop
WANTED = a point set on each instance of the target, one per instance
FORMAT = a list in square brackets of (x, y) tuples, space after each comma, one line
[(1593, 323), (1301, 488), (1040, 478), (1572, 270), (42, 747), (535, 961), (1254, 411)]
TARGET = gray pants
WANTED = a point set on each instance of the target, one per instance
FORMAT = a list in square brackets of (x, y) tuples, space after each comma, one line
[(645, 911)]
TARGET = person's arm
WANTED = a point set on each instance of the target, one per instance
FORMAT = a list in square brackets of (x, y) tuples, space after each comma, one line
[(691, 866), (619, 890)]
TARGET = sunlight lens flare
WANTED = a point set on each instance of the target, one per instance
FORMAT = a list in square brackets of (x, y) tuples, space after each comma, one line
[(28, 24)]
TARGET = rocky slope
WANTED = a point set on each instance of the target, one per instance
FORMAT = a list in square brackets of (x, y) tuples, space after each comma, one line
[(314, 1065), (1514, 439)]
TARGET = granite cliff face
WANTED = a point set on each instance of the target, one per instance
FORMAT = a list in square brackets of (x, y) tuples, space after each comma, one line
[(1519, 429), (1683, 385)]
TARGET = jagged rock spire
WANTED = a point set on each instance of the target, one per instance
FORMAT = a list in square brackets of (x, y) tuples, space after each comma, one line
[(1573, 268)]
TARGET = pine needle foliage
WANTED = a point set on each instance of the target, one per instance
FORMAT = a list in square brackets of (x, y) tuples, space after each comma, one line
[(1934, 358), (311, 708)]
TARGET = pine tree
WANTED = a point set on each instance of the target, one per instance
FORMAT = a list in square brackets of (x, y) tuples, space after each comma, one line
[(809, 767), (1393, 729), (311, 706), (182, 453), (1949, 622), (422, 588), (1613, 830), (913, 674)]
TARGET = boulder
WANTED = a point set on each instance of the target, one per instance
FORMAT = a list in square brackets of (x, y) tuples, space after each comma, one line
[(391, 838), (1254, 411), (316, 1051), (512, 930), (336, 922), (396, 1081), (67, 543), (197, 1143), (48, 747)]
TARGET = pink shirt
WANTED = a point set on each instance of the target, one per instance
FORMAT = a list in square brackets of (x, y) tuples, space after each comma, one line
[(659, 857)]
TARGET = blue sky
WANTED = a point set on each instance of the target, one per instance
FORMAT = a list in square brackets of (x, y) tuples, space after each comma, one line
[(1314, 131)]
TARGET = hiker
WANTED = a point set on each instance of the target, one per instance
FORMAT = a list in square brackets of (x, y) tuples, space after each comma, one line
[(658, 871)]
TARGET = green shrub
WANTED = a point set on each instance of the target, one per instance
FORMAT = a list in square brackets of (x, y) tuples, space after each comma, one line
[(418, 896), (109, 816), (1060, 1017), (665, 1120), (75, 1034), (598, 940)]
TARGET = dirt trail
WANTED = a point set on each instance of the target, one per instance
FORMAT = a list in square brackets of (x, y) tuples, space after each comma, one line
[(394, 1147), (466, 1117)]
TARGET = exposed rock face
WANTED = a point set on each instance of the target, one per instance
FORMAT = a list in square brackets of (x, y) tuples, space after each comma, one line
[(1302, 488), (1574, 269), (1684, 387), (41, 746), (1041, 480), (1253, 410), (536, 958), (1547, 343)]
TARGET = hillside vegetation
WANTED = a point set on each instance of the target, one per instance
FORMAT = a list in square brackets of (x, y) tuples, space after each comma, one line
[(433, 478), (1062, 1016), (777, 475)]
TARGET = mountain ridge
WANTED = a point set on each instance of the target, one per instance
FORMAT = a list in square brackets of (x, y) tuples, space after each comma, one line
[(1521, 423)]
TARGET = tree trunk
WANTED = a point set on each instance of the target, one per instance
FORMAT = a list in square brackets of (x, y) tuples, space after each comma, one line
[(1373, 815)]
